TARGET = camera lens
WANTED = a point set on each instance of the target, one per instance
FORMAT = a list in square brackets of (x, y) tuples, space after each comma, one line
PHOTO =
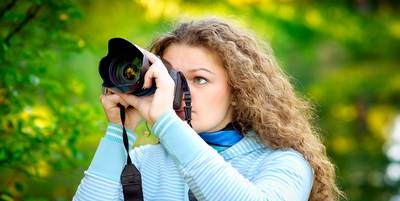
[(130, 73), (124, 67), (124, 72)]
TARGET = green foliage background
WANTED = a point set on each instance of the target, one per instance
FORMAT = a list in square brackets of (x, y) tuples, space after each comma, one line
[(343, 56)]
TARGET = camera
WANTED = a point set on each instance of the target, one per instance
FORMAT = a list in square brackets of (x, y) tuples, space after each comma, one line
[(123, 68)]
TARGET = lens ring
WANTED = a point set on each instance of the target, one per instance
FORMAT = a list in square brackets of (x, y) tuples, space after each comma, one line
[(123, 72)]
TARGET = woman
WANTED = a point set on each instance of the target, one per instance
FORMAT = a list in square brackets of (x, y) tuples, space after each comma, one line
[(266, 148)]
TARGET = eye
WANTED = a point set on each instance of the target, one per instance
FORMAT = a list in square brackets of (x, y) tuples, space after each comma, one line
[(200, 80)]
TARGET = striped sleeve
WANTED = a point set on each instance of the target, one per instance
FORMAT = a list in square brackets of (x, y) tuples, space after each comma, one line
[(212, 178), (94, 187), (102, 179), (185, 147)]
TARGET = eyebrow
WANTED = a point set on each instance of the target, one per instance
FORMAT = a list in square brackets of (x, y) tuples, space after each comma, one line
[(195, 69), (201, 69)]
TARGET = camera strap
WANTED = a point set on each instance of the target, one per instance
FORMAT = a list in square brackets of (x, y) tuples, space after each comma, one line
[(187, 98), (130, 177), (131, 180)]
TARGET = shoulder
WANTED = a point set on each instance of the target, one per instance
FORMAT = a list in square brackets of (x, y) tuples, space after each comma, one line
[(279, 158), (287, 163), (288, 158), (287, 170), (287, 155)]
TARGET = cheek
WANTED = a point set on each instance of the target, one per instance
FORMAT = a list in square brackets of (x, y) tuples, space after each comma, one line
[(213, 100)]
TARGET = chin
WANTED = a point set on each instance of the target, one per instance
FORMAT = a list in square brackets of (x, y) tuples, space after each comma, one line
[(195, 127)]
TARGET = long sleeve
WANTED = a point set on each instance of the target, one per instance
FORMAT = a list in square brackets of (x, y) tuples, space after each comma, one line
[(284, 176), (102, 179)]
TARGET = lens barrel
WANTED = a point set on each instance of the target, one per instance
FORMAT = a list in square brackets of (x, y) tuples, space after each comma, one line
[(124, 67)]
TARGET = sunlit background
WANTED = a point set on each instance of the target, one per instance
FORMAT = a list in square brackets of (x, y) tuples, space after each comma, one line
[(343, 56)]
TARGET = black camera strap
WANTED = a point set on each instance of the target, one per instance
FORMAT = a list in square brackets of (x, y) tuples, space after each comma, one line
[(187, 98), (130, 177), (131, 180)]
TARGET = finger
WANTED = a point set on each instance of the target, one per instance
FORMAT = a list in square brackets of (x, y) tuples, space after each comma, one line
[(112, 100), (130, 100), (157, 72), (108, 91), (152, 57), (149, 76)]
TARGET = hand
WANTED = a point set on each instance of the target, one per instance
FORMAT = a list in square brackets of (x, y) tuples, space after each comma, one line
[(110, 101), (151, 108)]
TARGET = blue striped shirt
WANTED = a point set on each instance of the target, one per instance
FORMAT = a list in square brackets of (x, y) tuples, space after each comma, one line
[(248, 170)]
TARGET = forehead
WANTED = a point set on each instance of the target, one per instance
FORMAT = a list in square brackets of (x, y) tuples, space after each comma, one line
[(185, 58)]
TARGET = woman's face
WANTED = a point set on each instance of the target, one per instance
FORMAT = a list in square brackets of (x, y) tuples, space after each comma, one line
[(208, 83)]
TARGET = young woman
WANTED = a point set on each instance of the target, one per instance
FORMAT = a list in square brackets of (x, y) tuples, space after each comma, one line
[(251, 137)]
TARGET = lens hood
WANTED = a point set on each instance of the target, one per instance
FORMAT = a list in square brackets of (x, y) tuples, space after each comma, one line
[(121, 50)]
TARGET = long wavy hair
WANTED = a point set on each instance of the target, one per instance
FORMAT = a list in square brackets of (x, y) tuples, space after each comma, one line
[(262, 96)]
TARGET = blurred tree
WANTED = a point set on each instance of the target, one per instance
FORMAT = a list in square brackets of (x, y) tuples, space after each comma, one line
[(43, 110)]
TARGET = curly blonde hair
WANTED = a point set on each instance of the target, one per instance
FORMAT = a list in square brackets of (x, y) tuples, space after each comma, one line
[(264, 99)]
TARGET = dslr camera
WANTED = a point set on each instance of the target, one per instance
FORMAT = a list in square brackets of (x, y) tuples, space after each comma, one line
[(123, 68)]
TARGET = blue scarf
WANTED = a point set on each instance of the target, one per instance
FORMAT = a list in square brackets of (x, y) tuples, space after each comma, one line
[(222, 139)]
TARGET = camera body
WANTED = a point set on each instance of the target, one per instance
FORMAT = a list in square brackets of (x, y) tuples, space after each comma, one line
[(123, 68)]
